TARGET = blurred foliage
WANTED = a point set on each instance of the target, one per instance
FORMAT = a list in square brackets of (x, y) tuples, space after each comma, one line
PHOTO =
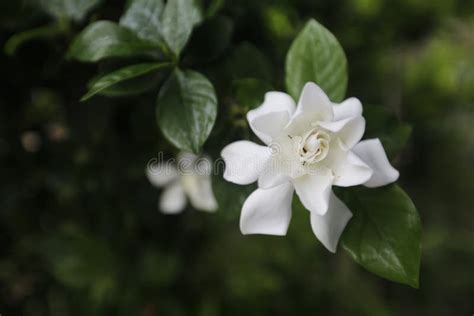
[(80, 233)]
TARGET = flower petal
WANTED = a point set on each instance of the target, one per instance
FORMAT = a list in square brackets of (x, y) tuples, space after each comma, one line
[(161, 174), (267, 211), (349, 130), (313, 190), (244, 161), (172, 200), (271, 176), (315, 103), (348, 108), (269, 127), (274, 101), (329, 227), (372, 153), (347, 167), (198, 188)]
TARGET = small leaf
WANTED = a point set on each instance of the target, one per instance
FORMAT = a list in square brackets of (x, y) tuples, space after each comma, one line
[(73, 9), (105, 39), (187, 109), (121, 75), (384, 236), (19, 39), (178, 20), (317, 56), (143, 17)]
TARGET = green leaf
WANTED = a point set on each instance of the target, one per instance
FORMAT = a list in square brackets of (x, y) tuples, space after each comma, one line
[(250, 92), (105, 39), (121, 75), (187, 109), (143, 17), (178, 20), (249, 62), (73, 9), (384, 236), (317, 56), (384, 125), (19, 39)]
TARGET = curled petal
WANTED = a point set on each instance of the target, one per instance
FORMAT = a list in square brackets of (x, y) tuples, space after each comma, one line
[(347, 167), (161, 174), (349, 108), (269, 127), (274, 102), (173, 199), (313, 190), (372, 153), (267, 211), (329, 227), (349, 130), (244, 161)]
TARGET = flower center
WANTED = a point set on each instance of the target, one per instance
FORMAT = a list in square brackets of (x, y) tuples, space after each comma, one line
[(313, 146)]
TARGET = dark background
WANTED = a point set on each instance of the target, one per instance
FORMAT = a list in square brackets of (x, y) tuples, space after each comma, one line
[(80, 233)]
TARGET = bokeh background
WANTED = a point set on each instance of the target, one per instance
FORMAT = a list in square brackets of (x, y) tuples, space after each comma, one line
[(80, 233)]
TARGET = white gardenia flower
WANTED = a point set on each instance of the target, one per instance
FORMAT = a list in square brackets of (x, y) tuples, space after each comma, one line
[(189, 179), (309, 148)]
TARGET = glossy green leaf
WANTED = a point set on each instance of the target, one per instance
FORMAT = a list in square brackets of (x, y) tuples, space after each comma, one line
[(178, 20), (384, 236), (143, 17), (105, 39), (121, 75), (317, 56), (187, 109), (73, 9)]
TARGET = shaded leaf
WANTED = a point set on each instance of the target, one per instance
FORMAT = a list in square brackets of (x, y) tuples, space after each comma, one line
[(317, 56), (250, 92), (187, 109), (105, 39), (73, 9), (143, 17), (178, 20), (384, 236), (121, 75)]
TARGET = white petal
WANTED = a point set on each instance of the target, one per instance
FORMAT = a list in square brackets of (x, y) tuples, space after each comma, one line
[(269, 126), (172, 200), (267, 211), (244, 161), (198, 188), (161, 174), (271, 177), (372, 153), (349, 108), (314, 103), (313, 191), (274, 101), (329, 227), (347, 167), (349, 130)]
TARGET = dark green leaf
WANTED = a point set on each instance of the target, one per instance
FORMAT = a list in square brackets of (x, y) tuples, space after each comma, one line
[(178, 20), (121, 75), (73, 9), (230, 197), (105, 39), (143, 17), (250, 92), (384, 236), (249, 62), (317, 56), (41, 32), (187, 109), (382, 124)]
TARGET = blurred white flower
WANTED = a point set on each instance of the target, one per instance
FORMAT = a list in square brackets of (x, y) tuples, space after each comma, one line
[(309, 148), (189, 179)]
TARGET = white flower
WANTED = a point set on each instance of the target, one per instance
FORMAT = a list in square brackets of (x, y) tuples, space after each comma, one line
[(310, 147), (191, 178)]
